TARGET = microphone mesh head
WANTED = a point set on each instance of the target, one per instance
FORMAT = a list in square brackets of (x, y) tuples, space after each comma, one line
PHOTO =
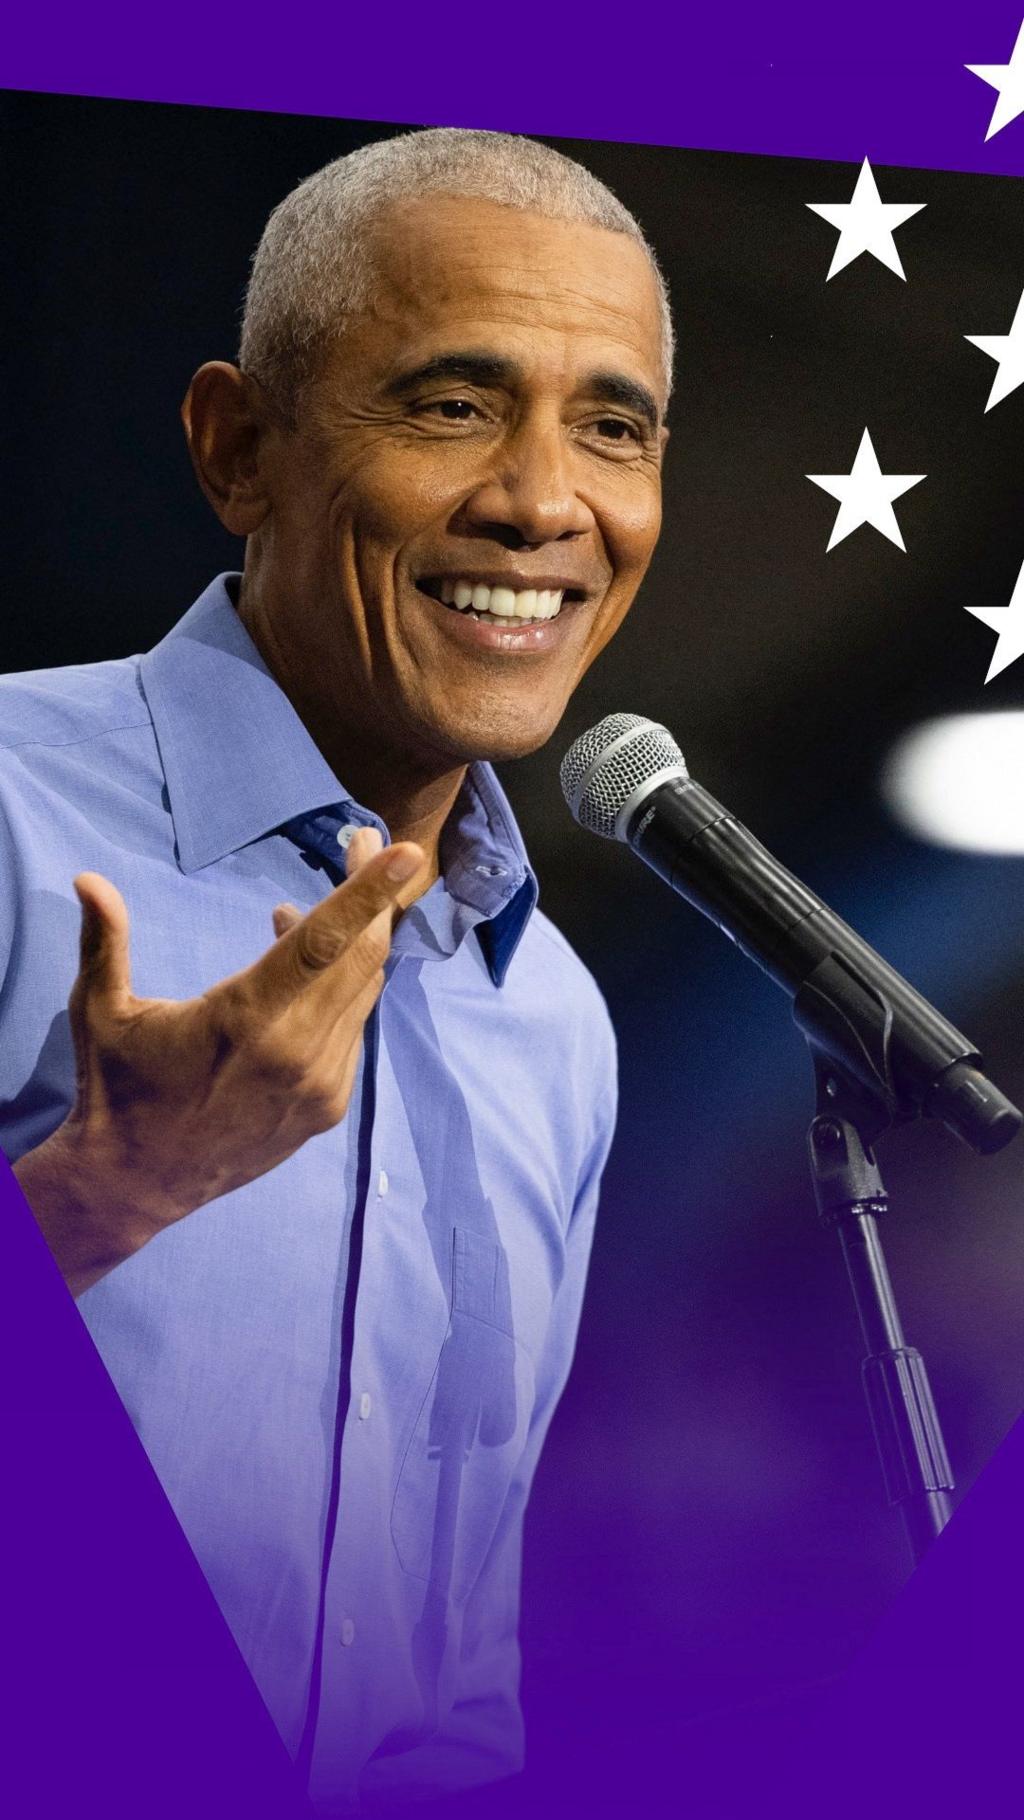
[(606, 766)]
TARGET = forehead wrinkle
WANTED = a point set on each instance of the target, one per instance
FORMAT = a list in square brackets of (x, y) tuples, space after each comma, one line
[(432, 283), (420, 272)]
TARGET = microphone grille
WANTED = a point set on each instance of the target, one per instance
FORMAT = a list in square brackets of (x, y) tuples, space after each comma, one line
[(606, 766)]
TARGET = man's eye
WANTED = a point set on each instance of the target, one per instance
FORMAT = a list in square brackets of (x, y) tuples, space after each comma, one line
[(617, 429), (453, 410)]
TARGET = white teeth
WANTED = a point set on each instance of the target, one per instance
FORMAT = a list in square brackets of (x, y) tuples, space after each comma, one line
[(502, 602)]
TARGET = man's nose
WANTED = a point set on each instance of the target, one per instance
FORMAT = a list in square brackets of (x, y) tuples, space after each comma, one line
[(532, 489)]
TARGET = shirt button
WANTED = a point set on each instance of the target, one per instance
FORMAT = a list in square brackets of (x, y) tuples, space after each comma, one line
[(492, 871), (348, 1631), (382, 1184), (344, 835), (365, 1405)]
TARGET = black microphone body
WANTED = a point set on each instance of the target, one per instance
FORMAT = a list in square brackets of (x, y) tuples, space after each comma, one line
[(853, 1006)]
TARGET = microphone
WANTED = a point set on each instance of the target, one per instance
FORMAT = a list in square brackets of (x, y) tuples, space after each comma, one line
[(626, 779)]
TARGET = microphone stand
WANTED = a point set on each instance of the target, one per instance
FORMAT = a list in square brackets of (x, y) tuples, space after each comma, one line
[(851, 1198)]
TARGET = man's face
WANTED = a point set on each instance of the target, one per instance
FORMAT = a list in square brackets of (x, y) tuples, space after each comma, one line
[(487, 429)]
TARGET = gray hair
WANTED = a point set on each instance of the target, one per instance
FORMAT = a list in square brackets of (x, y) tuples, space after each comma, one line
[(313, 264)]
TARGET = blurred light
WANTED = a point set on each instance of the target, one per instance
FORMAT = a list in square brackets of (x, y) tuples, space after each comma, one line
[(959, 782)]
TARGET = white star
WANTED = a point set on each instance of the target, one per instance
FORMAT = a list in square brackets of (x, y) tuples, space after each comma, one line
[(1008, 351), (865, 496), (1008, 622), (1008, 79), (866, 224)]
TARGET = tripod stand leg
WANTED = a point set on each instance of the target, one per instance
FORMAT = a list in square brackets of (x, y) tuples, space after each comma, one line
[(850, 1195), (903, 1415)]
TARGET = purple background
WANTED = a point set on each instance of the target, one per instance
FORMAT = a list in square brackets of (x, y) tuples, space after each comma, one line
[(882, 79), (126, 1693)]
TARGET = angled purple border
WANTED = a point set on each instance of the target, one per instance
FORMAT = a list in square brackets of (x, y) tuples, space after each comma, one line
[(883, 80), (124, 1693), (127, 1694)]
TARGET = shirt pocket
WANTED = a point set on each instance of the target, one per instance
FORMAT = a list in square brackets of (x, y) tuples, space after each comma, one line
[(470, 1431)]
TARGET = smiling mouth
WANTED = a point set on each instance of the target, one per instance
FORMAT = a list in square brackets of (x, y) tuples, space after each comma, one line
[(499, 604)]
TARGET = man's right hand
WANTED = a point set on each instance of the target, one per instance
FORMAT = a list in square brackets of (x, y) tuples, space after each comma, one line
[(179, 1102)]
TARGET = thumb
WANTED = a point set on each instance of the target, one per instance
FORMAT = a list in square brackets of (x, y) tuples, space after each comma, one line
[(285, 917), (105, 966)]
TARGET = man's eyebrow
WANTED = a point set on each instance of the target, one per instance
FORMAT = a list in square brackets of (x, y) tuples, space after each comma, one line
[(477, 368), (616, 388), (473, 367)]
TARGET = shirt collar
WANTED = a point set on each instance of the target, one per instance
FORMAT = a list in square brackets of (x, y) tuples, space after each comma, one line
[(239, 764)]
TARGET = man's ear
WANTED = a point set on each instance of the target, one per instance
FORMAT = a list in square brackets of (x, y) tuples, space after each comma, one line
[(226, 420)]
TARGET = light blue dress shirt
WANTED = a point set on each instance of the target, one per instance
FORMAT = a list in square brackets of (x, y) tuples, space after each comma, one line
[(343, 1373)]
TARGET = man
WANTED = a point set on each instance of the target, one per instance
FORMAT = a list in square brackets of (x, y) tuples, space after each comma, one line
[(329, 1206)]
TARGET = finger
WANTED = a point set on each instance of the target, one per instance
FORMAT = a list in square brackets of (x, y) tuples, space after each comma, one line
[(105, 964), (364, 844), (334, 1036), (285, 917), (329, 930)]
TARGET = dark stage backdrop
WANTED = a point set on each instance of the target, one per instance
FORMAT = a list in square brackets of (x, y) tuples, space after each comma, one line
[(708, 1523)]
